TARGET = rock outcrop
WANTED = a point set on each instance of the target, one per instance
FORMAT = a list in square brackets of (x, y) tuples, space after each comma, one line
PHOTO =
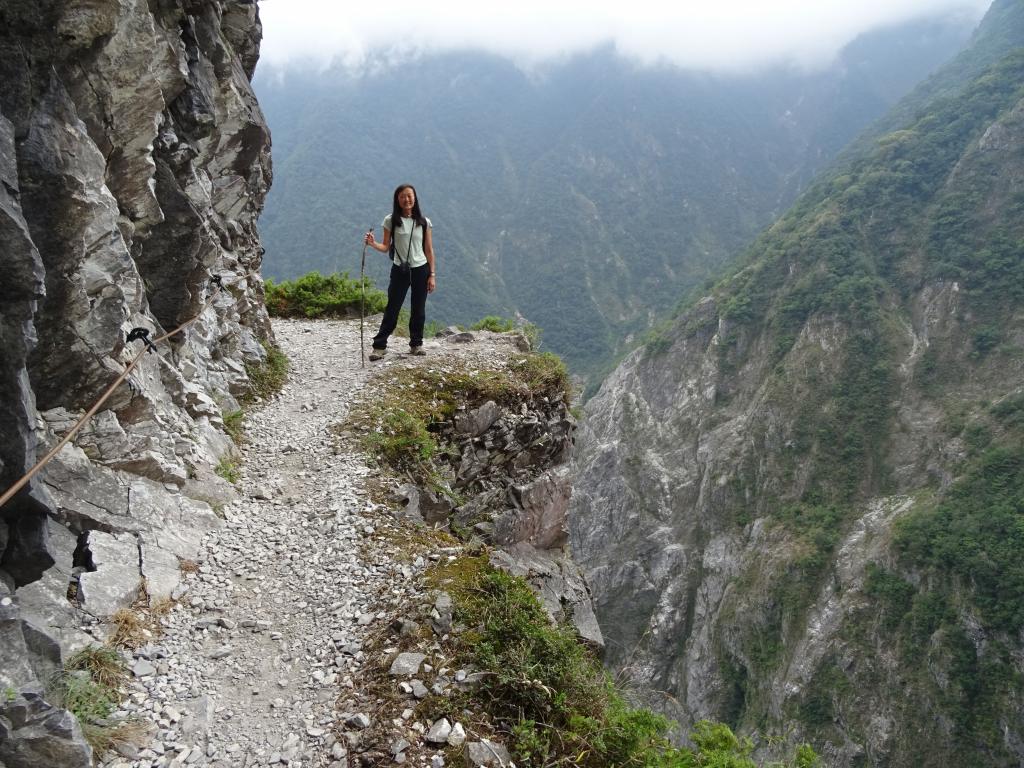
[(134, 161), (508, 469)]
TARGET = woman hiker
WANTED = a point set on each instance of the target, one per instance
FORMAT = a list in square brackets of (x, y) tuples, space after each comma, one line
[(411, 248)]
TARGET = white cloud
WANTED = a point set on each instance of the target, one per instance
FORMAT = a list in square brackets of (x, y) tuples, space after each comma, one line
[(723, 35)]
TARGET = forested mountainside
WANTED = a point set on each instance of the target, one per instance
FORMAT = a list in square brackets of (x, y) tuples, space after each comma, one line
[(587, 195), (801, 507)]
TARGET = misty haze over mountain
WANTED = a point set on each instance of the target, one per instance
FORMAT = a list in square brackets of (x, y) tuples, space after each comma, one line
[(587, 196)]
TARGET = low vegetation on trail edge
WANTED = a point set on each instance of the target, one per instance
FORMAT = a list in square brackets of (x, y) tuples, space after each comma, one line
[(314, 295), (549, 695), (541, 692), (399, 424), (267, 377), (91, 686)]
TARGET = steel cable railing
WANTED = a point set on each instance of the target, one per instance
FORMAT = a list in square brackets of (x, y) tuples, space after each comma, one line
[(148, 345)]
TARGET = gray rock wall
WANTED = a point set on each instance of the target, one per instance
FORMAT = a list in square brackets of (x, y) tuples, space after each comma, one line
[(134, 161)]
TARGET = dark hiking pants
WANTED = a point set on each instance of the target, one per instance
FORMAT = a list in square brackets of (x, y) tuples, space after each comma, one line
[(398, 286)]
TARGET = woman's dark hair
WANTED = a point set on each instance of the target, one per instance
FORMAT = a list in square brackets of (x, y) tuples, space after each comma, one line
[(396, 213)]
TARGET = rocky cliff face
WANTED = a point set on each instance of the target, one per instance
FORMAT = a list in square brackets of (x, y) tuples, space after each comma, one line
[(796, 508), (134, 161), (500, 475)]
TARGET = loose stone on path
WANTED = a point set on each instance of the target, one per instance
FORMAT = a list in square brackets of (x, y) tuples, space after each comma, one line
[(254, 655), (267, 636)]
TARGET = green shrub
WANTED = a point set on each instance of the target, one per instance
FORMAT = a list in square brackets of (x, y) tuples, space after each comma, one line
[(658, 343), (495, 324), (402, 440), (966, 545), (316, 295), (103, 666), (894, 596), (533, 335), (975, 535), (545, 372), (1010, 410), (986, 339), (87, 700)]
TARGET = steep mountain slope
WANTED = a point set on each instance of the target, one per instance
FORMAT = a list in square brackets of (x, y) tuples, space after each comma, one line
[(587, 196), (801, 507)]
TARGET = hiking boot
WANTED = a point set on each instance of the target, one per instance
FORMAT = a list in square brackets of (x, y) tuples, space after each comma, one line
[(416, 351), (377, 354)]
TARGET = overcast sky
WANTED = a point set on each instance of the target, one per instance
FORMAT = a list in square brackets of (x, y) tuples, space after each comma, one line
[(704, 34)]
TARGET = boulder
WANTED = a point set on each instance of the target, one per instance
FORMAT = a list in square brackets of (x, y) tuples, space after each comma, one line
[(439, 732), (27, 555), (15, 668), (160, 568), (539, 516), (486, 753), (42, 649), (441, 618), (559, 584), (406, 664), (477, 421), (45, 602), (423, 505), (116, 580), (35, 734)]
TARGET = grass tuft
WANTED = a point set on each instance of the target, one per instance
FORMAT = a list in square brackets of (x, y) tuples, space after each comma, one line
[(234, 425), (401, 440), (91, 686), (545, 372), (228, 469), (103, 664), (268, 377), (130, 629), (140, 624)]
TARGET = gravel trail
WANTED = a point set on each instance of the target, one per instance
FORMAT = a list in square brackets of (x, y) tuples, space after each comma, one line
[(268, 634)]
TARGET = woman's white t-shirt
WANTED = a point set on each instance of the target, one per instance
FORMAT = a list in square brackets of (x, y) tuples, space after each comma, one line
[(401, 237)]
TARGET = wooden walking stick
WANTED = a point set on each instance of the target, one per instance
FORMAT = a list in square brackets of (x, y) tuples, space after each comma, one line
[(362, 303)]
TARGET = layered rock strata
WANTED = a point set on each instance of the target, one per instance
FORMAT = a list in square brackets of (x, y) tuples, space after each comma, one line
[(508, 468), (134, 161)]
